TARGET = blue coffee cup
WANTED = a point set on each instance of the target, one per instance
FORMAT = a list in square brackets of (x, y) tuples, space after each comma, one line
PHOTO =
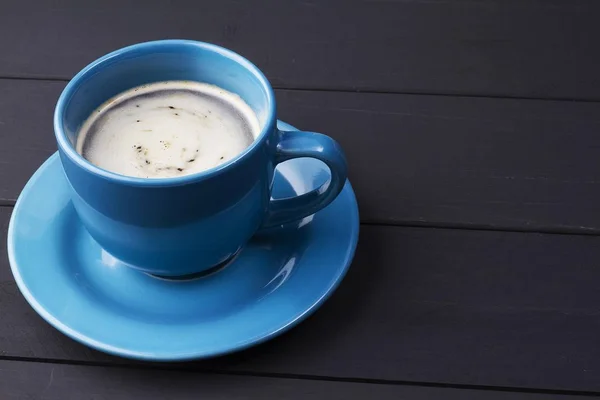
[(188, 224)]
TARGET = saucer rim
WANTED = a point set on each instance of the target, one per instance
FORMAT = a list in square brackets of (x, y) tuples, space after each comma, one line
[(170, 357)]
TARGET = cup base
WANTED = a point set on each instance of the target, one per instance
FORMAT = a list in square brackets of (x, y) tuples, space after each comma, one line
[(197, 275)]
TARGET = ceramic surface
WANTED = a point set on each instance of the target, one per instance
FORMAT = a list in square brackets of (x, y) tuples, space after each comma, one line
[(278, 278), (186, 224)]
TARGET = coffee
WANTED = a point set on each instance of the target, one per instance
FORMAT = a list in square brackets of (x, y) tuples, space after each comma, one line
[(167, 129)]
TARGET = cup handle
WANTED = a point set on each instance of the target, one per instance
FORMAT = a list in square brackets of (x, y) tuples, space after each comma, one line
[(296, 144)]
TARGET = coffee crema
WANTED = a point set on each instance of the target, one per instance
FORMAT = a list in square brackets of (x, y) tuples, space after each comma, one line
[(167, 129)]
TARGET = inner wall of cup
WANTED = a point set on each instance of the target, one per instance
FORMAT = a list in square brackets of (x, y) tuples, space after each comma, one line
[(157, 63)]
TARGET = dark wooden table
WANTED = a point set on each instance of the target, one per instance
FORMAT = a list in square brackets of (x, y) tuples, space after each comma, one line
[(472, 129)]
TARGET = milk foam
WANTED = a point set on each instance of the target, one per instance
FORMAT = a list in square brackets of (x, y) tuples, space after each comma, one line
[(167, 129)]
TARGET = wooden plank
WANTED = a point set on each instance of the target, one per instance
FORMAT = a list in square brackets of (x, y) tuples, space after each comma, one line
[(32, 380), (419, 305), (432, 160), (26, 133), (522, 48)]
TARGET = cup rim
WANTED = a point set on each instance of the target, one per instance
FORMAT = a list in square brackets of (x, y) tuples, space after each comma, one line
[(65, 145)]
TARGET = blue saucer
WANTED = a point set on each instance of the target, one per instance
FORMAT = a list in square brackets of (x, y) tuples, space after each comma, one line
[(276, 281)]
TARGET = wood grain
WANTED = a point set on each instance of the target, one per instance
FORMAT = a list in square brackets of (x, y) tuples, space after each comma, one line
[(518, 48), (31, 380), (417, 160), (419, 305)]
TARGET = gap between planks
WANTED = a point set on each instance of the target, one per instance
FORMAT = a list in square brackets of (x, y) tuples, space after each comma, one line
[(182, 368), (353, 90), (550, 230)]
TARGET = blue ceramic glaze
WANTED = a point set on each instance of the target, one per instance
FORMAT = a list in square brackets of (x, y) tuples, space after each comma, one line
[(183, 225), (278, 278)]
